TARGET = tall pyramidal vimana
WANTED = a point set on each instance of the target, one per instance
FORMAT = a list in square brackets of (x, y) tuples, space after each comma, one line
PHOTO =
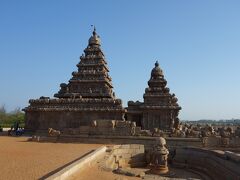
[(88, 96)]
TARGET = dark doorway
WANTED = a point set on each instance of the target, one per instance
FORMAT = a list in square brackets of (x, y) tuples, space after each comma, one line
[(138, 119)]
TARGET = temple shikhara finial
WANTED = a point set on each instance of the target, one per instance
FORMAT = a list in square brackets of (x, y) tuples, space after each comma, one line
[(156, 71), (95, 38), (94, 29)]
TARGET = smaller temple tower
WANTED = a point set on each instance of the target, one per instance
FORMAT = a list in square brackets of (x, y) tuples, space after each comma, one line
[(159, 109)]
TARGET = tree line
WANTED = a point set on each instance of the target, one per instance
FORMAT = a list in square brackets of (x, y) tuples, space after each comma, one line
[(7, 119)]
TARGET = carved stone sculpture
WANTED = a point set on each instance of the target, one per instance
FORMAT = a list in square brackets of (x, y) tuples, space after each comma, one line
[(207, 131), (224, 133), (193, 133), (177, 133), (53, 132), (157, 133), (158, 157)]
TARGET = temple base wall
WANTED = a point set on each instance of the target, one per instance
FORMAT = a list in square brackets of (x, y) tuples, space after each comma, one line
[(42, 120)]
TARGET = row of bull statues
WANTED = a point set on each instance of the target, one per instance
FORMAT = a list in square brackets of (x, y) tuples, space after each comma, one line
[(199, 131), (128, 128)]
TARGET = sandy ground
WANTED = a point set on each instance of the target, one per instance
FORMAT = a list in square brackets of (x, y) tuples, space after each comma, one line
[(93, 172), (20, 159)]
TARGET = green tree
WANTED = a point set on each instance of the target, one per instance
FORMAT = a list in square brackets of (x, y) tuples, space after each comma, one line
[(8, 119)]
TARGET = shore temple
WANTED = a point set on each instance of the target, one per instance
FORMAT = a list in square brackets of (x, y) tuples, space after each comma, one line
[(89, 96)]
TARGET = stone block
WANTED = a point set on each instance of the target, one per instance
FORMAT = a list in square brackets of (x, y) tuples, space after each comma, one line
[(125, 146), (73, 131), (137, 130), (65, 131), (84, 129), (211, 141), (138, 151), (235, 142), (136, 146), (116, 146), (106, 123), (122, 124), (101, 131), (122, 151), (126, 156), (117, 152)]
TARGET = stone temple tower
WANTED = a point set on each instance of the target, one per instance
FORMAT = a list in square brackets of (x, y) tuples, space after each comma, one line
[(87, 96), (159, 109), (92, 79)]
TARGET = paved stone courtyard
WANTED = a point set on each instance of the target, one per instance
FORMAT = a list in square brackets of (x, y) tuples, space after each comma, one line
[(20, 159)]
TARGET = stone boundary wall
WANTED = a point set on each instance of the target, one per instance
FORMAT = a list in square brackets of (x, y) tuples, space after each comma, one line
[(148, 142), (209, 142), (215, 163), (235, 141), (217, 141), (76, 166)]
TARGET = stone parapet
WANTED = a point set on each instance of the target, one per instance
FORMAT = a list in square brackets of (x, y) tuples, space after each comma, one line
[(148, 142), (210, 162)]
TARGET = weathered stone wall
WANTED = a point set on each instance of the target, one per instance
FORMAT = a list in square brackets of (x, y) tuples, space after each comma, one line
[(218, 141), (217, 164), (42, 120), (234, 142), (156, 119), (105, 127)]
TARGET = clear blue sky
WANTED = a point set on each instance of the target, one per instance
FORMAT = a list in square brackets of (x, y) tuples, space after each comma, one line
[(197, 43)]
